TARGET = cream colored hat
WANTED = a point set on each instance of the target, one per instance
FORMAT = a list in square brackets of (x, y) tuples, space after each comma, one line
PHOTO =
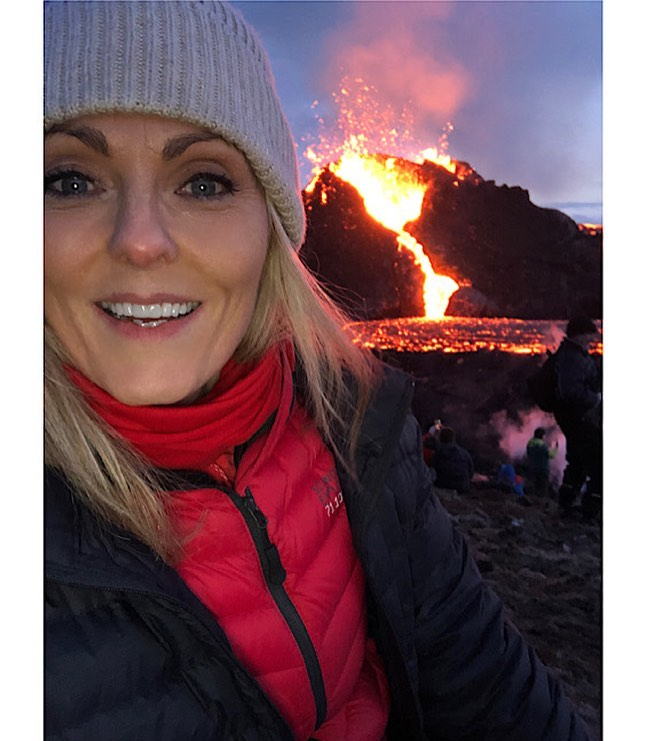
[(194, 60)]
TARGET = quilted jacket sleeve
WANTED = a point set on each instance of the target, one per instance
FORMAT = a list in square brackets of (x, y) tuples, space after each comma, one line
[(477, 677), (579, 385)]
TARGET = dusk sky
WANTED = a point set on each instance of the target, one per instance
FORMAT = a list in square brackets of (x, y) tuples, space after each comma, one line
[(519, 82)]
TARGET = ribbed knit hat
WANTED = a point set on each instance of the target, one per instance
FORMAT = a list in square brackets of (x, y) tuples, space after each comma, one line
[(194, 60)]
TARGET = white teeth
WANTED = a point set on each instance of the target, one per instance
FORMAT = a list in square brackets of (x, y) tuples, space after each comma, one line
[(148, 324), (146, 311), (149, 311)]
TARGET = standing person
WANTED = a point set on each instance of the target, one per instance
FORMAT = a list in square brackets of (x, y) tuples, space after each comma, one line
[(242, 541), (539, 455), (578, 414), (452, 463)]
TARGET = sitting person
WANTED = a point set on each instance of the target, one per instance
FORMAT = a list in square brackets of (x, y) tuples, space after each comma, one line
[(510, 481), (539, 455), (429, 441), (453, 464)]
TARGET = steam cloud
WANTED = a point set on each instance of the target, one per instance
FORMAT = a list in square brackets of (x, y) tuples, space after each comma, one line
[(514, 436)]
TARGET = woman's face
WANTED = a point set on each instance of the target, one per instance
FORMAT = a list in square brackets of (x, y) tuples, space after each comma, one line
[(156, 233)]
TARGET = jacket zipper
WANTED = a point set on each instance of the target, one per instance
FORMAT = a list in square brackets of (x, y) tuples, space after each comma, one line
[(274, 574)]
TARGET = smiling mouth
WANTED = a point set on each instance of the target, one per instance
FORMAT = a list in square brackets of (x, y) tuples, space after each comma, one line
[(149, 315)]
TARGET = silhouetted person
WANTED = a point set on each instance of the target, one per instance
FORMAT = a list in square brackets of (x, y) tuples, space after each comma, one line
[(452, 463), (539, 455), (578, 414)]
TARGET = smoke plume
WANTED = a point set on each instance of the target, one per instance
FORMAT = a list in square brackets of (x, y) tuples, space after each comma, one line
[(514, 436)]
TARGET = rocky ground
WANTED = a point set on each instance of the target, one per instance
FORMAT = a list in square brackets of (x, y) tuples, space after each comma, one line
[(546, 569)]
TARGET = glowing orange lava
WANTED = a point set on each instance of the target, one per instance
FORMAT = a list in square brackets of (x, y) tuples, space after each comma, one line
[(464, 335), (393, 196), (591, 229), (392, 193)]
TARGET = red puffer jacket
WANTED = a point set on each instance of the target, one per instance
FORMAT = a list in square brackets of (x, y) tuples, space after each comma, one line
[(268, 544), (272, 557)]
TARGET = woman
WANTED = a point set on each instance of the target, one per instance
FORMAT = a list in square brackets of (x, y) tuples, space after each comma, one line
[(242, 541)]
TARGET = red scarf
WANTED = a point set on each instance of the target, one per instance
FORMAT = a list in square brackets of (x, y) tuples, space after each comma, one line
[(195, 436)]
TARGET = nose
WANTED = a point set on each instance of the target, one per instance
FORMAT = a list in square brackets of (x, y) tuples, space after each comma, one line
[(139, 236)]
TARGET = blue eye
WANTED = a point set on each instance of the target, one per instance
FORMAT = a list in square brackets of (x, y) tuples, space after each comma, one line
[(68, 184), (207, 185)]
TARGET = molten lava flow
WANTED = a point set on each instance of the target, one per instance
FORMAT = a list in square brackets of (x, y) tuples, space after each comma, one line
[(393, 196), (461, 335), (590, 229)]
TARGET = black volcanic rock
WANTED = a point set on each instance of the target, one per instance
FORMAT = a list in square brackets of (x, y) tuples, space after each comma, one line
[(515, 258), (356, 258), (530, 262), (469, 301)]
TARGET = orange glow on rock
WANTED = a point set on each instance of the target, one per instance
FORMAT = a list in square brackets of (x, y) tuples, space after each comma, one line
[(393, 195), (392, 192)]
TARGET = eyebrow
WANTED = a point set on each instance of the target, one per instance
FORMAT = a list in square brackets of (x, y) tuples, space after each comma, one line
[(96, 140), (93, 138), (179, 144)]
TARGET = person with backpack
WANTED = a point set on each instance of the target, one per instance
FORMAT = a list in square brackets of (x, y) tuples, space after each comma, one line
[(577, 410)]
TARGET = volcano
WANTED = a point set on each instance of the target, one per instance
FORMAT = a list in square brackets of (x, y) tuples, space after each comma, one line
[(507, 256)]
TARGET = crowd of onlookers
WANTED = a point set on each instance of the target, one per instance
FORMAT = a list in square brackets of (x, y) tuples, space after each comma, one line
[(578, 413)]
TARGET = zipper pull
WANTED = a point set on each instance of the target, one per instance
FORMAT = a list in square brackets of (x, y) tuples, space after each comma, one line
[(272, 564), (256, 514)]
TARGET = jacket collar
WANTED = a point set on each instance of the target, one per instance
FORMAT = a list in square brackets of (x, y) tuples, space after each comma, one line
[(380, 432), (111, 557)]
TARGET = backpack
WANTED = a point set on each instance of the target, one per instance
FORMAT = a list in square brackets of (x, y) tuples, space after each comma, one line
[(543, 384)]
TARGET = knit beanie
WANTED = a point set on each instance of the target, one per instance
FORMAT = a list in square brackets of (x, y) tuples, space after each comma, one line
[(194, 60)]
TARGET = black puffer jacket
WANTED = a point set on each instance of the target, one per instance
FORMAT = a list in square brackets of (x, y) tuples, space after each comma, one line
[(132, 655), (578, 381), (454, 467)]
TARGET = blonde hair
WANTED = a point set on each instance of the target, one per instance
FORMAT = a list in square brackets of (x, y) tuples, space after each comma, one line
[(120, 487)]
